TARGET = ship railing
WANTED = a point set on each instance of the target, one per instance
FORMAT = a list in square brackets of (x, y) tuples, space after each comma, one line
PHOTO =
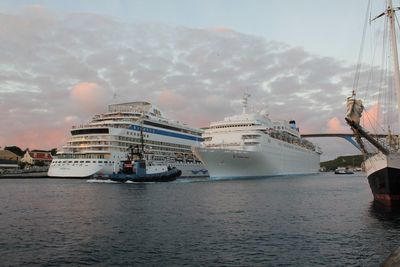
[(130, 114), (224, 145), (82, 126), (91, 139), (82, 156), (250, 136), (77, 146), (69, 150), (285, 137)]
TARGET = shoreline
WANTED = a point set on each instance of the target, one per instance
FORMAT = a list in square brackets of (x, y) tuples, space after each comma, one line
[(27, 175)]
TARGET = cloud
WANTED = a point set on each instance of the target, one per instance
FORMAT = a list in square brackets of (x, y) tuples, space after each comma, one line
[(222, 29), (370, 119), (337, 126), (70, 66), (89, 97), (168, 98)]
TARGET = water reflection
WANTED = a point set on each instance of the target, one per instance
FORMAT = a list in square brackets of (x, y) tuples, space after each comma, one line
[(388, 215)]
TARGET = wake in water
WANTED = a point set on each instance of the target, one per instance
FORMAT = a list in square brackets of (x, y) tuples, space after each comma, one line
[(191, 180), (181, 180), (102, 181), (108, 181)]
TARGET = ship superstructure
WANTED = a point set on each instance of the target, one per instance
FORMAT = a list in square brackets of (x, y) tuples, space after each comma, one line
[(252, 145), (98, 147)]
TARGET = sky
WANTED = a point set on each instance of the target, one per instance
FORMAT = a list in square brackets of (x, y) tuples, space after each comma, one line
[(63, 61)]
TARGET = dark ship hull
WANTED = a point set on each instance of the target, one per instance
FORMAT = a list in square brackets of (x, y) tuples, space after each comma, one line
[(385, 186), (167, 176), (383, 173)]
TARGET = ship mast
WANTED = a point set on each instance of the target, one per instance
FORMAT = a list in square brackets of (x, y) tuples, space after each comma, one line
[(391, 14), (245, 102)]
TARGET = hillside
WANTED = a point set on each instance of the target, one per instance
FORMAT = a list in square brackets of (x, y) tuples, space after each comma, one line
[(343, 161)]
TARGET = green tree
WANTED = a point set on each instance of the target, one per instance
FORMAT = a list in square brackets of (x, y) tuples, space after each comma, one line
[(53, 151), (16, 150), (343, 161)]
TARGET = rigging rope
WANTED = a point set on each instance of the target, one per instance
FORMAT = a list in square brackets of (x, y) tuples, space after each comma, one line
[(358, 67)]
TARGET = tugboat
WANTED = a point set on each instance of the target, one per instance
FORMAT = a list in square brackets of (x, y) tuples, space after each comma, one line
[(343, 170), (134, 170)]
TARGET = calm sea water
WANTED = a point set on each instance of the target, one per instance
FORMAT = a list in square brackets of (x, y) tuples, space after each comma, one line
[(320, 220)]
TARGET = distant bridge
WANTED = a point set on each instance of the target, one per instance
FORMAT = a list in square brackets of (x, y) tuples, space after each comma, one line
[(347, 136)]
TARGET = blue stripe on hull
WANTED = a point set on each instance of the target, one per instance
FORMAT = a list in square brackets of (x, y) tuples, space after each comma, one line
[(166, 133)]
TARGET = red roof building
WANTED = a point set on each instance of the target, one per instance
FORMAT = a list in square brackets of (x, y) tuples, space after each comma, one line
[(35, 156)]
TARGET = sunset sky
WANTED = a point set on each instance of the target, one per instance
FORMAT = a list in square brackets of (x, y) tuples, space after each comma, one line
[(62, 61)]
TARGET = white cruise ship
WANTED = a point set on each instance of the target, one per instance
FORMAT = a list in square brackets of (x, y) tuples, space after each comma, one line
[(252, 145), (97, 148)]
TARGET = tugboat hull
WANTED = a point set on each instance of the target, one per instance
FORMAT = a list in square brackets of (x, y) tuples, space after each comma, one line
[(167, 176)]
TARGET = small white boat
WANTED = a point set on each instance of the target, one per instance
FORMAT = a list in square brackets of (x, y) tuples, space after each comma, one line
[(343, 170)]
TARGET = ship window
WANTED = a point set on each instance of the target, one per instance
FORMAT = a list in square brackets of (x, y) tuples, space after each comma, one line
[(150, 123), (88, 161), (90, 131), (100, 161), (251, 143), (81, 161)]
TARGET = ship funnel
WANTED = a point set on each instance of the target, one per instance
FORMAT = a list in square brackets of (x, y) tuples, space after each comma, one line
[(292, 124)]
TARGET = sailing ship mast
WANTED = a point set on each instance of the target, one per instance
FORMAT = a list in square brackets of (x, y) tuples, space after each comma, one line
[(391, 14), (355, 107)]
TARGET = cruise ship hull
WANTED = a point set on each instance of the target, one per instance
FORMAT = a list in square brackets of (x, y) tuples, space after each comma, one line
[(383, 172), (231, 163), (69, 171)]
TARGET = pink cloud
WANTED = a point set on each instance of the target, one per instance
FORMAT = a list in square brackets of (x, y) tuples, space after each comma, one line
[(336, 126), (222, 29), (35, 9), (168, 98), (90, 97), (370, 118), (38, 138)]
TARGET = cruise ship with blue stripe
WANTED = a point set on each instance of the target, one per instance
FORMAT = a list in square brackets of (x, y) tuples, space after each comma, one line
[(97, 148)]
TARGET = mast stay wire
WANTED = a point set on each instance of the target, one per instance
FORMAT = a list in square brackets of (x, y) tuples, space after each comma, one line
[(360, 52), (368, 120)]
